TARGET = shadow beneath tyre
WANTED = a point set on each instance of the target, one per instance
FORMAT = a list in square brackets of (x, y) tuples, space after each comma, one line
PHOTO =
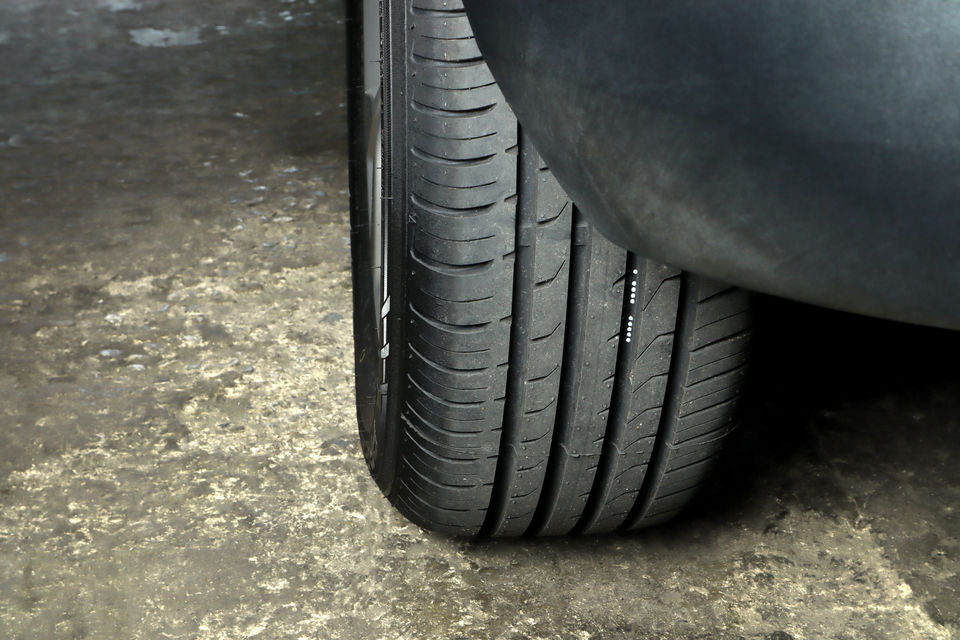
[(844, 466), (831, 397)]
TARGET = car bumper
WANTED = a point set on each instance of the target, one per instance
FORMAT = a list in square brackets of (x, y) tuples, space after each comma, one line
[(804, 149)]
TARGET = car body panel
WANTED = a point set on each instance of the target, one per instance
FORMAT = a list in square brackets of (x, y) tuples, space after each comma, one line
[(800, 148)]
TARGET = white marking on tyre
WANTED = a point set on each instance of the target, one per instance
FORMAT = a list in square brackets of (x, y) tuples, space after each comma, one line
[(633, 301)]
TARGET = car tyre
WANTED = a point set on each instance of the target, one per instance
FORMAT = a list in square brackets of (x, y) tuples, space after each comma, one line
[(517, 373)]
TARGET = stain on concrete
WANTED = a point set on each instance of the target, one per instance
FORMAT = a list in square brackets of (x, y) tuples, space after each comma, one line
[(120, 5), (150, 37), (178, 455)]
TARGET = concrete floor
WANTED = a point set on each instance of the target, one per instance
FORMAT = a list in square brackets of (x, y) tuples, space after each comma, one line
[(177, 439)]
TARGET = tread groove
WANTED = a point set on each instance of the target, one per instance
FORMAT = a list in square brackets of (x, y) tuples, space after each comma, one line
[(459, 270), (669, 415), (428, 110), (571, 362), (519, 330), (619, 404)]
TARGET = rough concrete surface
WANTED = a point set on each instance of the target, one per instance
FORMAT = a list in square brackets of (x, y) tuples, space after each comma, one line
[(177, 438)]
